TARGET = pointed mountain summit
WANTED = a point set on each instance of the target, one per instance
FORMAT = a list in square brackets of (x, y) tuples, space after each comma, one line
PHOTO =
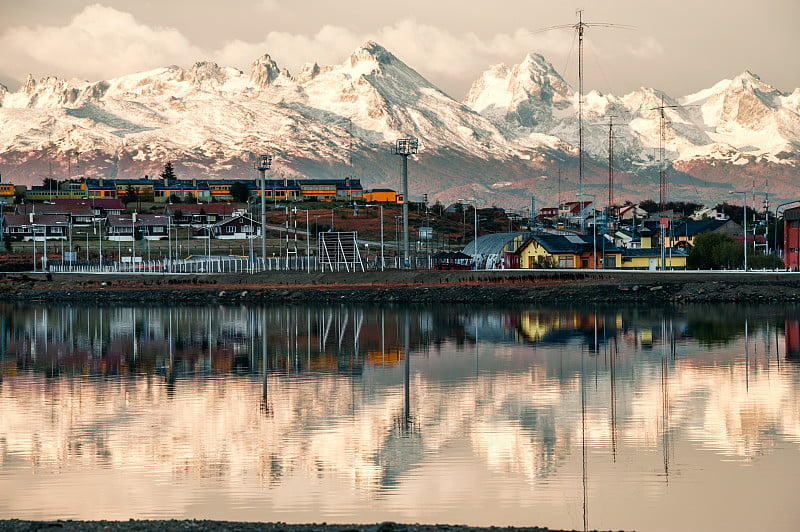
[(745, 112), (383, 98), (525, 94), (264, 72)]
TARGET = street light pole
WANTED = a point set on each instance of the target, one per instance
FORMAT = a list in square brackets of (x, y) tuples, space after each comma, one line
[(744, 221), (594, 227), (262, 165), (404, 148), (474, 203)]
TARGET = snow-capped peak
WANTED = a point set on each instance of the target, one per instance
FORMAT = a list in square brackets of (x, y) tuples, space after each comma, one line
[(371, 52), (525, 93), (265, 71)]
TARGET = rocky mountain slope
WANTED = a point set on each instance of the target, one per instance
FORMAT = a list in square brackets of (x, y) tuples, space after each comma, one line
[(511, 138)]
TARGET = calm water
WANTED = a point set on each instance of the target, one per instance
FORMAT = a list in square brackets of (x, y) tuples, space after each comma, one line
[(603, 418)]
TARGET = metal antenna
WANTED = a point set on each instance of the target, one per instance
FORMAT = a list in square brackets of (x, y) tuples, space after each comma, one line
[(664, 221), (579, 28), (610, 161)]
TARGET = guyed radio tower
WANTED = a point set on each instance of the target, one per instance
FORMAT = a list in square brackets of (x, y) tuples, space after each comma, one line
[(580, 28)]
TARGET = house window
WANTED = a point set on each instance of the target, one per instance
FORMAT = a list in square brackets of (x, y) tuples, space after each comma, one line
[(565, 262), (57, 230), (230, 229)]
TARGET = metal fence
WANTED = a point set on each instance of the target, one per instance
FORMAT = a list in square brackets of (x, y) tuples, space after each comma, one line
[(223, 264)]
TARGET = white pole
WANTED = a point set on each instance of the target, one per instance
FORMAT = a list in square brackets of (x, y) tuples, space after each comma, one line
[(308, 245)]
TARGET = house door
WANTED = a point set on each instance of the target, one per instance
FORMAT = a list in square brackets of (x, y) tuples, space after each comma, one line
[(653, 265), (610, 262)]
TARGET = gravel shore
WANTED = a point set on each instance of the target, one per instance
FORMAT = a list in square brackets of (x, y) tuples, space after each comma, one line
[(408, 287), (14, 525)]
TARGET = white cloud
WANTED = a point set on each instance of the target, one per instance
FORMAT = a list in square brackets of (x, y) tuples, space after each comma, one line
[(431, 50), (102, 42), (98, 43), (328, 46), (646, 49)]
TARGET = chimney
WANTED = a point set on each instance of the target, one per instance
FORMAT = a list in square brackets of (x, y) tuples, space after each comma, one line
[(30, 217), (100, 182), (285, 182), (194, 184), (166, 182), (134, 217)]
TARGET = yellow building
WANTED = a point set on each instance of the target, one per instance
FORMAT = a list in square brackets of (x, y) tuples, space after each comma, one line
[(650, 259), (568, 251), (647, 257)]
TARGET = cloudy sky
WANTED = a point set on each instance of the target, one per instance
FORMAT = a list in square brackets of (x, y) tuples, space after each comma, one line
[(680, 46)]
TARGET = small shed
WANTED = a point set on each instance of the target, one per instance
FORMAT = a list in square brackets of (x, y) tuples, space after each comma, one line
[(451, 260)]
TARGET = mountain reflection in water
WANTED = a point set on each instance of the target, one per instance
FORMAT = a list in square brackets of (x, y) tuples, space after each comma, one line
[(605, 418)]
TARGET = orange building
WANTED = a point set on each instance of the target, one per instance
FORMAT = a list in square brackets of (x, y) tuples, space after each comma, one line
[(7, 191), (382, 195)]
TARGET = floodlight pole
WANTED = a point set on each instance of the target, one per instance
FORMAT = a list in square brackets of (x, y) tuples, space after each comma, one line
[(404, 148), (262, 165)]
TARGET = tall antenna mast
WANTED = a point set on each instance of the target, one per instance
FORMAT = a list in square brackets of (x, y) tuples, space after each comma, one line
[(579, 28), (610, 161), (559, 187), (662, 180), (664, 221)]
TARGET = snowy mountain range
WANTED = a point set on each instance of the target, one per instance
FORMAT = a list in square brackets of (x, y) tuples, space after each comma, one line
[(514, 136)]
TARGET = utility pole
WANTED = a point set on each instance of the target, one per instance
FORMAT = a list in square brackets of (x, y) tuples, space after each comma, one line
[(665, 223)]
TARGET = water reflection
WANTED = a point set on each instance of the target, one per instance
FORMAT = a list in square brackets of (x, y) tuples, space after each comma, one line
[(525, 416)]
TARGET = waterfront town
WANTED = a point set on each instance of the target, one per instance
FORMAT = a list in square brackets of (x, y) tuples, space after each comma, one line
[(194, 225)]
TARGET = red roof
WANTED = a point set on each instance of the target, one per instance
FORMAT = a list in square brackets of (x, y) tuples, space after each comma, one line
[(103, 203), (50, 208), (224, 209), (21, 220)]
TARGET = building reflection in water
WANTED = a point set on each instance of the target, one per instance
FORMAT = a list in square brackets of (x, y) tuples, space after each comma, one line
[(368, 395)]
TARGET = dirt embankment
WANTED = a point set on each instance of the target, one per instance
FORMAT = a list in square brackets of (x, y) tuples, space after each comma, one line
[(419, 287)]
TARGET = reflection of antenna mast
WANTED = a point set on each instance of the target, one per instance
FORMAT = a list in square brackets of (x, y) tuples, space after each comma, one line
[(579, 28)]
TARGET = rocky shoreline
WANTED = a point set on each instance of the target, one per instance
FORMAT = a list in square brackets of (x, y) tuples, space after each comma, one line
[(423, 288), (14, 525)]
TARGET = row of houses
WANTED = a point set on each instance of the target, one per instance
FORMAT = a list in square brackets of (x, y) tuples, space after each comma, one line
[(571, 212), (201, 190), (60, 219), (643, 246), (570, 251)]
